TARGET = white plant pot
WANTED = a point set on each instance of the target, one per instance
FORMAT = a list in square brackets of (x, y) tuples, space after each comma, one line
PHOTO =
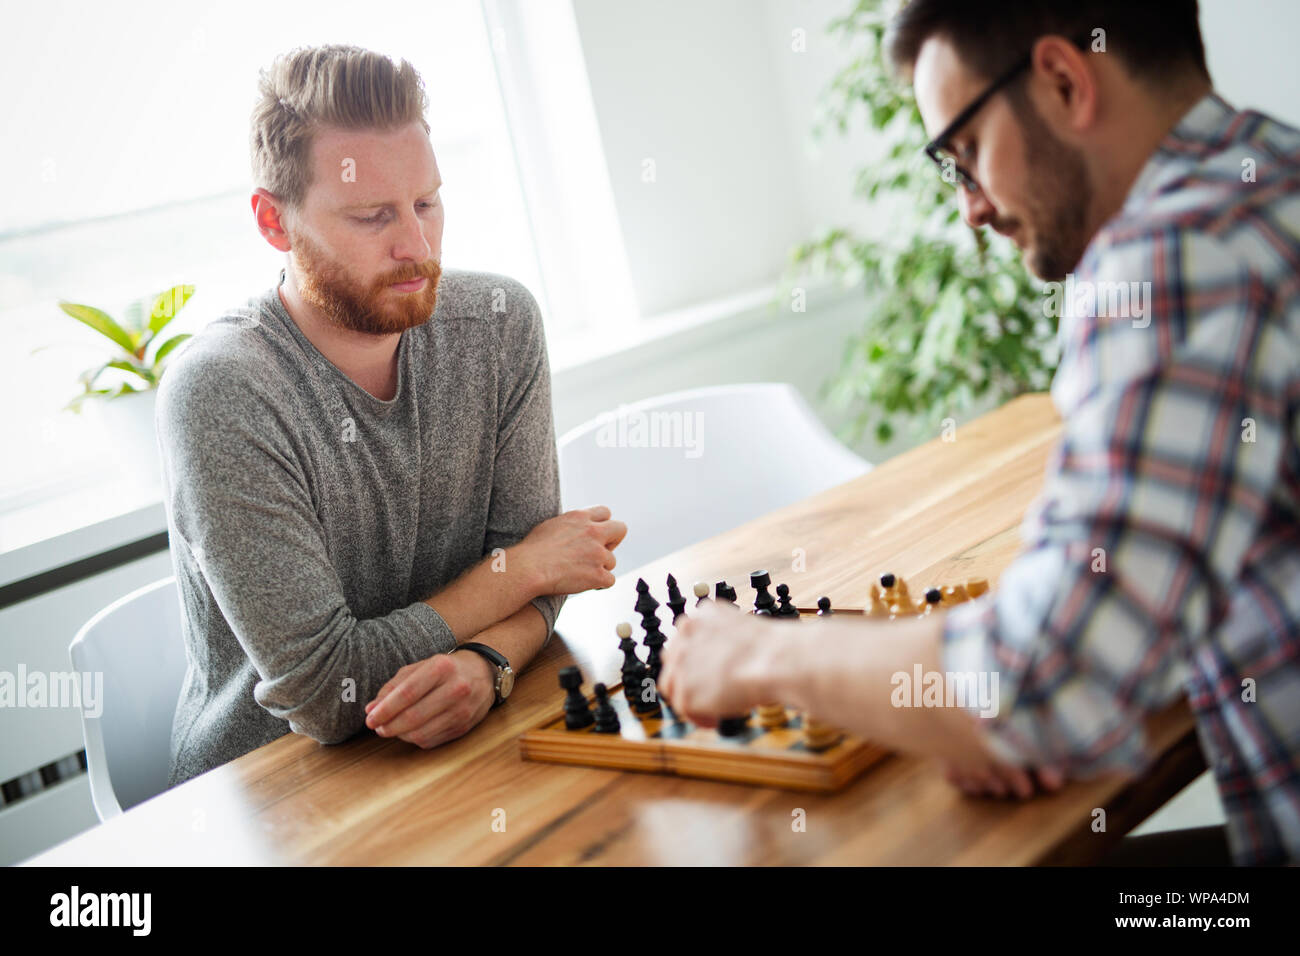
[(126, 429)]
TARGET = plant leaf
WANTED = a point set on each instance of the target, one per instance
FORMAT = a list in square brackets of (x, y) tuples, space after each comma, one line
[(101, 322), (169, 345), (167, 304)]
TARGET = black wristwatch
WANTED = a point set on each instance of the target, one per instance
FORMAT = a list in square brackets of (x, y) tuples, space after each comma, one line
[(505, 680)]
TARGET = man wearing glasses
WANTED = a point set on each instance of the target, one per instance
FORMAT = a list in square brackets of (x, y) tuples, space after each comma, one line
[(1164, 552)]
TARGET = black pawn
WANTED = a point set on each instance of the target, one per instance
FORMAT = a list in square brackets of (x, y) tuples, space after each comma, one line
[(824, 607), (887, 580), (577, 713), (631, 663), (606, 717), (784, 607), (933, 596), (676, 602), (763, 600)]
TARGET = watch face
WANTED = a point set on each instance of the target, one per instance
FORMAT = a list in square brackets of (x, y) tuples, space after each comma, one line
[(507, 682)]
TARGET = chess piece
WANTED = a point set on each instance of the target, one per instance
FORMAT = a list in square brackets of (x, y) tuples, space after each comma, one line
[(577, 713), (824, 607), (771, 716), (645, 602), (953, 594), (676, 602), (725, 593), (763, 600), (701, 590), (632, 665), (784, 606), (732, 726), (606, 716), (819, 735)]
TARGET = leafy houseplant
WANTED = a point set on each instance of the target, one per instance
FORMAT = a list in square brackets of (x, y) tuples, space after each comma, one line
[(135, 337), (951, 319)]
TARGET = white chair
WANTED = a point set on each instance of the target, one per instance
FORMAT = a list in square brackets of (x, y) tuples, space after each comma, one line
[(685, 466), (136, 643)]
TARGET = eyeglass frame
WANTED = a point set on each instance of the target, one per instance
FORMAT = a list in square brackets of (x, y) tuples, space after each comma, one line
[(940, 141)]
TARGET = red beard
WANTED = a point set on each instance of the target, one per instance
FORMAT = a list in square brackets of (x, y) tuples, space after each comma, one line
[(374, 310)]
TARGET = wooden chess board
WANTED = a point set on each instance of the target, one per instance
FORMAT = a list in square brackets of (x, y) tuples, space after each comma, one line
[(776, 757), (661, 744)]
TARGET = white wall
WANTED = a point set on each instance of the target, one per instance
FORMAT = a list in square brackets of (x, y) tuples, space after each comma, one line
[(715, 93), (1251, 49)]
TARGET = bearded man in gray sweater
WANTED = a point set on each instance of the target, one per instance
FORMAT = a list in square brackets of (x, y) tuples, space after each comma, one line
[(360, 467)]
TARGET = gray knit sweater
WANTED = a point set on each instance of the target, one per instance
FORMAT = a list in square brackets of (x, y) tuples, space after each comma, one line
[(309, 519)]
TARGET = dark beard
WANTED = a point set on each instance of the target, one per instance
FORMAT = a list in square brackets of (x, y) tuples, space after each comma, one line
[(1060, 195), (324, 283)]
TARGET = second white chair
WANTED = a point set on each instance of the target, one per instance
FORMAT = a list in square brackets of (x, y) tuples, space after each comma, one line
[(685, 466)]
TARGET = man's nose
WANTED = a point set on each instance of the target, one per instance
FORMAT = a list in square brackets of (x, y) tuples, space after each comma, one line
[(975, 207), (411, 244)]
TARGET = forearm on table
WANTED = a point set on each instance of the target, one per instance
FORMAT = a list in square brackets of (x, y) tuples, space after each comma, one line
[(846, 679), (483, 596)]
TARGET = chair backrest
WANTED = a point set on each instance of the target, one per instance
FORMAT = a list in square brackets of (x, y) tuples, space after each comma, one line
[(136, 643), (685, 466)]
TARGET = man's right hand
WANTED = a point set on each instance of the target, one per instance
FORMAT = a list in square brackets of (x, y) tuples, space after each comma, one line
[(574, 551)]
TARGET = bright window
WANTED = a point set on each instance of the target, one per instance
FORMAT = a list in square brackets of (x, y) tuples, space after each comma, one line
[(126, 171)]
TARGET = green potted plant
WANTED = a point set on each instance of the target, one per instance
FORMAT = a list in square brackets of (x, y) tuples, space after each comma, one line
[(950, 319), (120, 391)]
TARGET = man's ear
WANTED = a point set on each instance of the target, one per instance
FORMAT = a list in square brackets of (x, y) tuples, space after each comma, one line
[(268, 214), (1070, 81)]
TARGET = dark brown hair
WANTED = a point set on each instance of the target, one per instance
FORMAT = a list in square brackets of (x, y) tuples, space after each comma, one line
[(1153, 40)]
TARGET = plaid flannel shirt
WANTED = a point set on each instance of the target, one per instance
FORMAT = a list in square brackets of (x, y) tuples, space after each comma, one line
[(1164, 551)]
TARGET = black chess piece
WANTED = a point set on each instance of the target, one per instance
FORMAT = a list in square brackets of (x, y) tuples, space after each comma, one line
[(577, 713), (725, 593), (784, 606), (887, 580), (933, 596), (606, 716), (645, 602), (631, 663), (732, 726), (763, 600), (824, 607), (646, 701), (655, 641), (675, 602)]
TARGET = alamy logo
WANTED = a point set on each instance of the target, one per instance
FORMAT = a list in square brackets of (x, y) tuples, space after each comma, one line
[(965, 689), (629, 428), (102, 909), (55, 689), (1112, 300)]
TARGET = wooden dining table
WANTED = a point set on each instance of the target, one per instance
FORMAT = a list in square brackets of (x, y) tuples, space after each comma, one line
[(943, 512)]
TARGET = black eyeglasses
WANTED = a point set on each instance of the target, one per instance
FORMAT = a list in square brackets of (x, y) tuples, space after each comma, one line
[(938, 148)]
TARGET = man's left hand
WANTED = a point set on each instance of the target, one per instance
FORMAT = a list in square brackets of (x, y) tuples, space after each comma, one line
[(434, 700)]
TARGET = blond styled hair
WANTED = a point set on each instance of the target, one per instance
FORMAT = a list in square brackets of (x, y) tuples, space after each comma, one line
[(309, 87)]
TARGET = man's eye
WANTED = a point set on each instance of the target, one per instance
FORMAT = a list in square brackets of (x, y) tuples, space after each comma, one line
[(377, 217)]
